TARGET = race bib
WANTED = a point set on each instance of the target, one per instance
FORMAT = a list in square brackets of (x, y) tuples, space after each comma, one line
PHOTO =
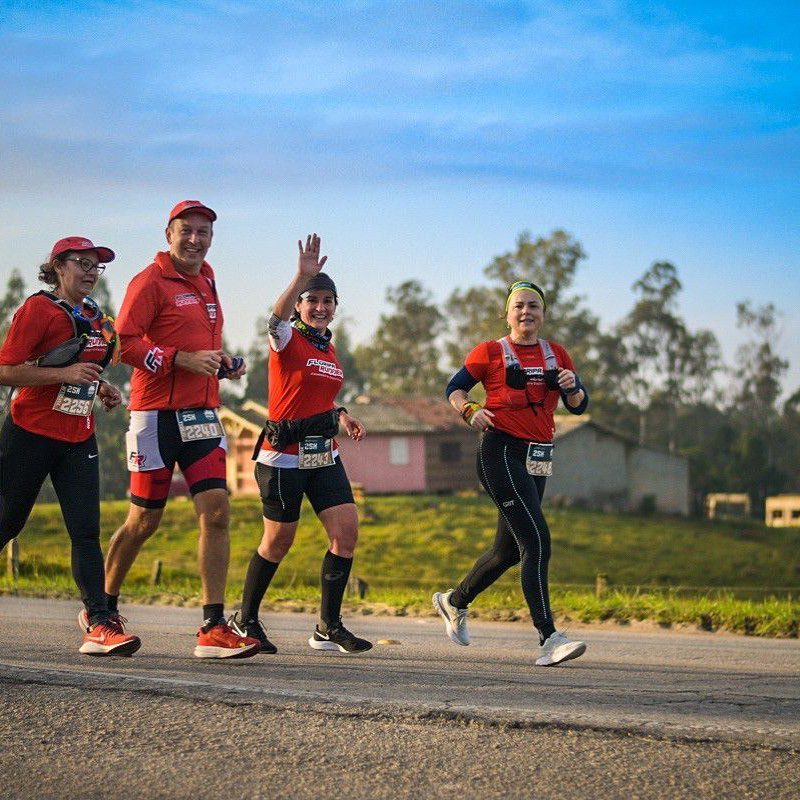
[(539, 460), (196, 424), (315, 452), (75, 399)]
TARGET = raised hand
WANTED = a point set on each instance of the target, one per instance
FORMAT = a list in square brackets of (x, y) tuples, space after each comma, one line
[(308, 261)]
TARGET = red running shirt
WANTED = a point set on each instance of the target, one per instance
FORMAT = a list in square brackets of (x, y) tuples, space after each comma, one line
[(303, 381), (38, 326), (512, 411)]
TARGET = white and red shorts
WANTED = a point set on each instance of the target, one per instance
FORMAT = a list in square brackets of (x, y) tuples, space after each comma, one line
[(154, 446)]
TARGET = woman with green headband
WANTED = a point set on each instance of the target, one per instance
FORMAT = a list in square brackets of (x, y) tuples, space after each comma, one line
[(524, 377)]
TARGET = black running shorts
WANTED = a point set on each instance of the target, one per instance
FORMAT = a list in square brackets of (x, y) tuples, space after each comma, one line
[(282, 489)]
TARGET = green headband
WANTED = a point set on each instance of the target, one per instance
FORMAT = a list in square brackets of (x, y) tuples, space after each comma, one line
[(519, 286)]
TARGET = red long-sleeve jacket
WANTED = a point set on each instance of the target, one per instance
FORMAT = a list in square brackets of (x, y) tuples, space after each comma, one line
[(165, 311)]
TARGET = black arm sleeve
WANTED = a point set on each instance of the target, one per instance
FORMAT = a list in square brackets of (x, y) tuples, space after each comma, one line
[(461, 380), (584, 403)]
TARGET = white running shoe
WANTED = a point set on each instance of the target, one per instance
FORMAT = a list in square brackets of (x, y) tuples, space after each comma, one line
[(455, 619), (558, 648)]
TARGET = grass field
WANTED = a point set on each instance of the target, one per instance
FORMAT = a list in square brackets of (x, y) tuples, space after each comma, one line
[(741, 577)]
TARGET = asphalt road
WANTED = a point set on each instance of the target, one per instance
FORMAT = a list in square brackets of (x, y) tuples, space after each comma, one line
[(642, 714)]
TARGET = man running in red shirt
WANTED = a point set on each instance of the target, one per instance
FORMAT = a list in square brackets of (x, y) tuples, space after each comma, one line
[(170, 326)]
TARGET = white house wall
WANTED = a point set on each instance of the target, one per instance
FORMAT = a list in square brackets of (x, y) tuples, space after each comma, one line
[(590, 467), (663, 475), (604, 471)]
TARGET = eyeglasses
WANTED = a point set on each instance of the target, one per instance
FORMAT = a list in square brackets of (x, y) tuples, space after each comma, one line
[(87, 265)]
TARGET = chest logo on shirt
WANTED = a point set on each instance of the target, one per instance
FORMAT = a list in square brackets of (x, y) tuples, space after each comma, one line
[(95, 344), (186, 299), (326, 368), (212, 311)]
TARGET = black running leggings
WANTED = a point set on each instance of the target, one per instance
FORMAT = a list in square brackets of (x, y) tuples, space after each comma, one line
[(25, 461), (522, 533)]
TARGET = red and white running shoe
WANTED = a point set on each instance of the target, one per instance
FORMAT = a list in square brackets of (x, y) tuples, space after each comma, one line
[(109, 639), (114, 616), (220, 641)]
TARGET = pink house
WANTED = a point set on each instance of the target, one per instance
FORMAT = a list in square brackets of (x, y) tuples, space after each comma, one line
[(386, 464), (416, 444), (412, 445)]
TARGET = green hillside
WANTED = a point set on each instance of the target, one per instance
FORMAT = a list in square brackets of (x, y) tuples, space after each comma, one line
[(411, 545)]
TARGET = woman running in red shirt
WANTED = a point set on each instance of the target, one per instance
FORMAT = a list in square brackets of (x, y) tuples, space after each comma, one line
[(57, 346), (298, 453), (524, 377)]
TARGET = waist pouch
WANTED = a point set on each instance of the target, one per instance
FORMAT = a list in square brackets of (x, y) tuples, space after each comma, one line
[(290, 431), (64, 354)]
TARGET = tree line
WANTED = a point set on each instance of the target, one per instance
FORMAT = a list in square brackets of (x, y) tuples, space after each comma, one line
[(650, 376)]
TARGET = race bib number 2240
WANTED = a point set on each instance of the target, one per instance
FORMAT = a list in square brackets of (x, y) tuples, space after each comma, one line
[(196, 424)]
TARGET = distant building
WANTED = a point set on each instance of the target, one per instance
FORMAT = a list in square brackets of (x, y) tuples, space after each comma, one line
[(242, 427), (429, 450), (597, 467), (727, 506), (412, 445), (783, 511), (421, 445)]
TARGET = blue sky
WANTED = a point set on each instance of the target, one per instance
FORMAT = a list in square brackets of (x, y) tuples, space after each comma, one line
[(419, 139)]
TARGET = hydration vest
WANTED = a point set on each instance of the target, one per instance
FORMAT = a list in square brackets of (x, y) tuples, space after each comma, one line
[(510, 357), (69, 352), (516, 397)]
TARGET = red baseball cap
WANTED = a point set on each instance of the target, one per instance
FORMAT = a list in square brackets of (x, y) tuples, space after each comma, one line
[(79, 244), (191, 205)]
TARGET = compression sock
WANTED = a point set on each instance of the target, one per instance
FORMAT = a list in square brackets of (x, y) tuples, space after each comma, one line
[(213, 614), (335, 572), (113, 603), (94, 613), (259, 576)]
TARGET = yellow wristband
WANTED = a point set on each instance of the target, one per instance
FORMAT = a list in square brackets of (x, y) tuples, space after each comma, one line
[(468, 410)]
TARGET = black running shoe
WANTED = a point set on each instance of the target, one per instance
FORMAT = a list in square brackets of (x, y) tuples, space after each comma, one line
[(338, 638), (255, 630)]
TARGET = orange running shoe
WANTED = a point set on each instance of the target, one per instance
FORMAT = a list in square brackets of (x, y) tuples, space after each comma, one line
[(219, 641), (114, 617), (108, 639)]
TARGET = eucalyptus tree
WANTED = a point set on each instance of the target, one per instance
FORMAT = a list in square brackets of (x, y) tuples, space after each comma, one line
[(403, 356), (11, 301), (761, 445), (759, 369), (668, 363)]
